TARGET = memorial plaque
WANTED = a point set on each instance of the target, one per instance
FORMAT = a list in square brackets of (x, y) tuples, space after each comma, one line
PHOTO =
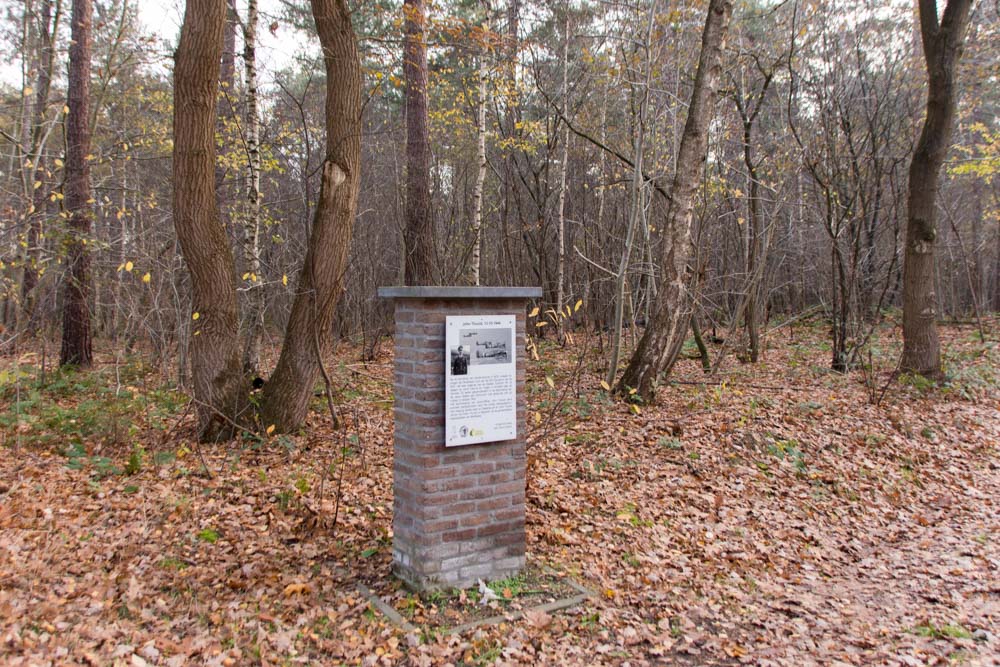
[(480, 379)]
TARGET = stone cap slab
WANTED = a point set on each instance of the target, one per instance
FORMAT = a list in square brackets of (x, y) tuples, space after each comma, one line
[(456, 292)]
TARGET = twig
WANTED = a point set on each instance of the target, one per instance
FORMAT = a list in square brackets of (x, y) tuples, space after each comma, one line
[(562, 398), (168, 433), (732, 384)]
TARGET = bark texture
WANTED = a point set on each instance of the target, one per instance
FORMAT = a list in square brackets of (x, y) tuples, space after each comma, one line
[(419, 232), (563, 172), (289, 390), (477, 193), (942, 41), (251, 203), (661, 343), (76, 343), (216, 368)]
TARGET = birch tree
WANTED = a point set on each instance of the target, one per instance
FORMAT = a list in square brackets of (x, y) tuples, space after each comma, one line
[(251, 200)]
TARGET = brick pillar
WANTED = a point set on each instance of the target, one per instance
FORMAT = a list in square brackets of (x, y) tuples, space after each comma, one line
[(458, 512)]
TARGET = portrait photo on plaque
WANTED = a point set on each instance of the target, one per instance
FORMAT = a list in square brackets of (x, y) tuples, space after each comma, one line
[(460, 360)]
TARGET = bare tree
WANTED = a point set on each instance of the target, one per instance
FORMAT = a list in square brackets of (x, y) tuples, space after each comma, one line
[(638, 143), (661, 342), (943, 41), (563, 172), (47, 25)]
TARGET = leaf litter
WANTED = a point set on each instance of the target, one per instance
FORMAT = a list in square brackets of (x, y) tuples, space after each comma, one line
[(726, 524)]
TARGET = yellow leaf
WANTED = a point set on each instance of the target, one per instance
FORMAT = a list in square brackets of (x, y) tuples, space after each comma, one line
[(568, 311), (245, 276), (128, 266), (605, 386), (195, 315), (296, 589), (58, 162), (631, 392), (549, 381), (253, 277), (541, 323), (534, 312), (65, 109), (635, 408), (284, 280), (120, 267), (538, 417), (38, 184), (270, 429), (146, 278), (577, 306), (534, 353)]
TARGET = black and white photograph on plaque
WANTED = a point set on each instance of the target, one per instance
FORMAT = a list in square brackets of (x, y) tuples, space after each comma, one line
[(460, 360), (487, 346)]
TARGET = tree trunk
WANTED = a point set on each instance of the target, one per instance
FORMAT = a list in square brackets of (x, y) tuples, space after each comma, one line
[(289, 390), (638, 149), (477, 195), (661, 343), (219, 386), (251, 209), (942, 49), (76, 343), (419, 232), (48, 25), (996, 269), (563, 171), (756, 244), (510, 51), (226, 111)]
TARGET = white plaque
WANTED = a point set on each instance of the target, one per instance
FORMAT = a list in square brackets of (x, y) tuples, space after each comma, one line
[(480, 379)]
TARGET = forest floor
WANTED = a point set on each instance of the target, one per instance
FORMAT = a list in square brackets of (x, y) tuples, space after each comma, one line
[(770, 515)]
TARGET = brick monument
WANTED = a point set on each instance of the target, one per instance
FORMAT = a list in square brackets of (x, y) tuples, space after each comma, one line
[(458, 511)]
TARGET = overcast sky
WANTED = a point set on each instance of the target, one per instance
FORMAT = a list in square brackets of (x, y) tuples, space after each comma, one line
[(164, 17), (274, 51)]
